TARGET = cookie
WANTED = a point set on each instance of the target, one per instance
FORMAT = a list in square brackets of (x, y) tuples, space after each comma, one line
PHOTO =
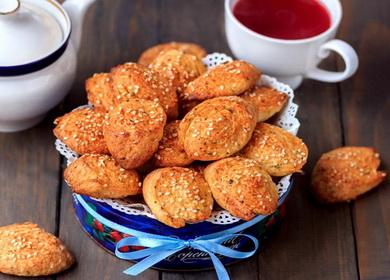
[(217, 128), (177, 195), (100, 176), (179, 68), (170, 152), (242, 187), (232, 78), (279, 152), (133, 130), (150, 54), (267, 101), (27, 250), (132, 80), (82, 131), (100, 91), (346, 173)]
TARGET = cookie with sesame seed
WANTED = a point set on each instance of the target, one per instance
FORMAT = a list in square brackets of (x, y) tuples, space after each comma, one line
[(100, 92), (179, 68), (170, 152), (346, 173), (133, 131), (82, 131), (279, 152), (232, 78), (101, 176), (150, 54), (217, 128), (177, 195), (242, 187), (268, 101), (27, 250), (133, 80)]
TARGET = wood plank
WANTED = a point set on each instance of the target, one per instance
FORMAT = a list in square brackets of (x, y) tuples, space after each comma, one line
[(366, 107), (29, 168), (314, 242), (200, 22), (114, 32)]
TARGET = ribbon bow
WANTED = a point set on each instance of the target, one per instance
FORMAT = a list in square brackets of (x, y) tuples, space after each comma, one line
[(161, 247)]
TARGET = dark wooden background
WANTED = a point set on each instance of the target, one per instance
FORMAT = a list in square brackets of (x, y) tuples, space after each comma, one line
[(346, 241)]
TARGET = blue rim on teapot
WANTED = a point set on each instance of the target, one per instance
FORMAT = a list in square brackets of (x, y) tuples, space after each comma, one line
[(36, 35), (38, 57)]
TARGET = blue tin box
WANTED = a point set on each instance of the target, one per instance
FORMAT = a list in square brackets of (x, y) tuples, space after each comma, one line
[(97, 217)]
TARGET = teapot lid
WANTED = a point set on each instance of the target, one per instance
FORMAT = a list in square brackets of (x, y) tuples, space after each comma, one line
[(31, 30)]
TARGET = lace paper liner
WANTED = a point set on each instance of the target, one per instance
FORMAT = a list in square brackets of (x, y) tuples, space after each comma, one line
[(286, 119)]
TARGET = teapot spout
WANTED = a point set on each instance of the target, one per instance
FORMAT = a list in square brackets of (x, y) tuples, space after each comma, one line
[(76, 10)]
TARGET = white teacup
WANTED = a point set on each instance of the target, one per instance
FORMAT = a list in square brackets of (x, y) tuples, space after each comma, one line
[(291, 60)]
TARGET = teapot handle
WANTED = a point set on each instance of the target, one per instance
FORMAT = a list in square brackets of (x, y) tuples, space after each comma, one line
[(76, 10)]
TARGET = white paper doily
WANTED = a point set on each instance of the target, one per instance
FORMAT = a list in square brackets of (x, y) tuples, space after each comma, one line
[(286, 119)]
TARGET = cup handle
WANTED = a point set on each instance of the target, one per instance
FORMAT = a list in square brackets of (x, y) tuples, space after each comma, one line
[(346, 52)]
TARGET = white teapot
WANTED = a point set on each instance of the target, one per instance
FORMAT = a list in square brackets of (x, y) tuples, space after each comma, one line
[(38, 57)]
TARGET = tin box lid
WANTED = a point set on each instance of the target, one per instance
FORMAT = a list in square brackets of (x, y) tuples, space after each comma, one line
[(30, 30)]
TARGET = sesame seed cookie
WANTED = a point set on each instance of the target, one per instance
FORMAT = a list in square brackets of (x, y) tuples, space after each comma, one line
[(178, 68), (345, 173), (177, 196), (82, 131), (279, 152), (232, 78), (101, 177), (170, 152), (133, 130), (132, 80), (100, 91), (217, 128), (27, 250), (150, 54), (242, 187), (268, 101)]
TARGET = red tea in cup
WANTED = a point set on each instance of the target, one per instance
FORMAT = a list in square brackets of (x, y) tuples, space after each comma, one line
[(283, 19)]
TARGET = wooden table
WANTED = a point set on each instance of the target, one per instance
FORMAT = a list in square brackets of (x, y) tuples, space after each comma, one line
[(345, 241)]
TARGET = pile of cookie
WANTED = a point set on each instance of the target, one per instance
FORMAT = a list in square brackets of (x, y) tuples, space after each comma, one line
[(182, 136)]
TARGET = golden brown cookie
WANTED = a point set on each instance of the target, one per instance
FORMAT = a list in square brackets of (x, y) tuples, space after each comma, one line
[(100, 91), (279, 152), (232, 78), (170, 152), (242, 187), (27, 250), (101, 177), (82, 131), (132, 80), (267, 101), (150, 54), (217, 128), (345, 173), (179, 68), (177, 196), (133, 130)]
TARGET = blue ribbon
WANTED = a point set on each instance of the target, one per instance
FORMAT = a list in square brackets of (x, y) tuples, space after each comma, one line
[(160, 247), (163, 246)]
